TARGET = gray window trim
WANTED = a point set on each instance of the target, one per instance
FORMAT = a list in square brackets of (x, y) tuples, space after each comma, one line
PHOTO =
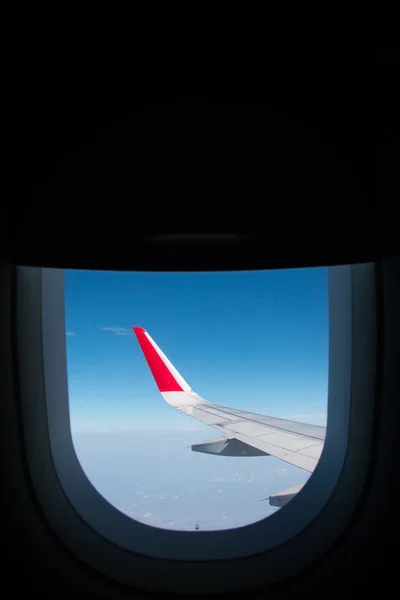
[(262, 552)]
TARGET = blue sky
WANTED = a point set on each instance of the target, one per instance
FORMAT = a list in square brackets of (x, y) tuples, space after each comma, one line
[(256, 340)]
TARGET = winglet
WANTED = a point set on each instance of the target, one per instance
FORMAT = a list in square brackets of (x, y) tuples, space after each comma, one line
[(165, 375)]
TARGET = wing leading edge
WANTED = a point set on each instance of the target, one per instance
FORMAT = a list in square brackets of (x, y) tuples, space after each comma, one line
[(245, 433)]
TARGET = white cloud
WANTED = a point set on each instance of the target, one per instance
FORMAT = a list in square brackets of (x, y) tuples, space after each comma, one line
[(69, 333), (118, 330), (146, 515), (280, 471), (217, 479)]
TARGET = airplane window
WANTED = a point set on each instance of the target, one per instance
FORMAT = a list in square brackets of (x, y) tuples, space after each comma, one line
[(135, 388), (198, 401)]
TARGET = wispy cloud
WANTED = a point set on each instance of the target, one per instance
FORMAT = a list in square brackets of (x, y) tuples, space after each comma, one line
[(118, 330), (70, 333), (280, 471)]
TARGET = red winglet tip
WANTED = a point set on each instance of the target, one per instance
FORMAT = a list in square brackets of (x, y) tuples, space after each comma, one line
[(164, 379)]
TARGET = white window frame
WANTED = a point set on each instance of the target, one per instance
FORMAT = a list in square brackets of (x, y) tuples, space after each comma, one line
[(218, 561)]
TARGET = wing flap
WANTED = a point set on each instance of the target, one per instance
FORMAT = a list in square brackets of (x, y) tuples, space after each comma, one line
[(289, 441), (294, 458), (306, 429), (313, 451)]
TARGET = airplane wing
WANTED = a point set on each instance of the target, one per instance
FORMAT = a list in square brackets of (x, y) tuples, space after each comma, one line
[(243, 433)]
